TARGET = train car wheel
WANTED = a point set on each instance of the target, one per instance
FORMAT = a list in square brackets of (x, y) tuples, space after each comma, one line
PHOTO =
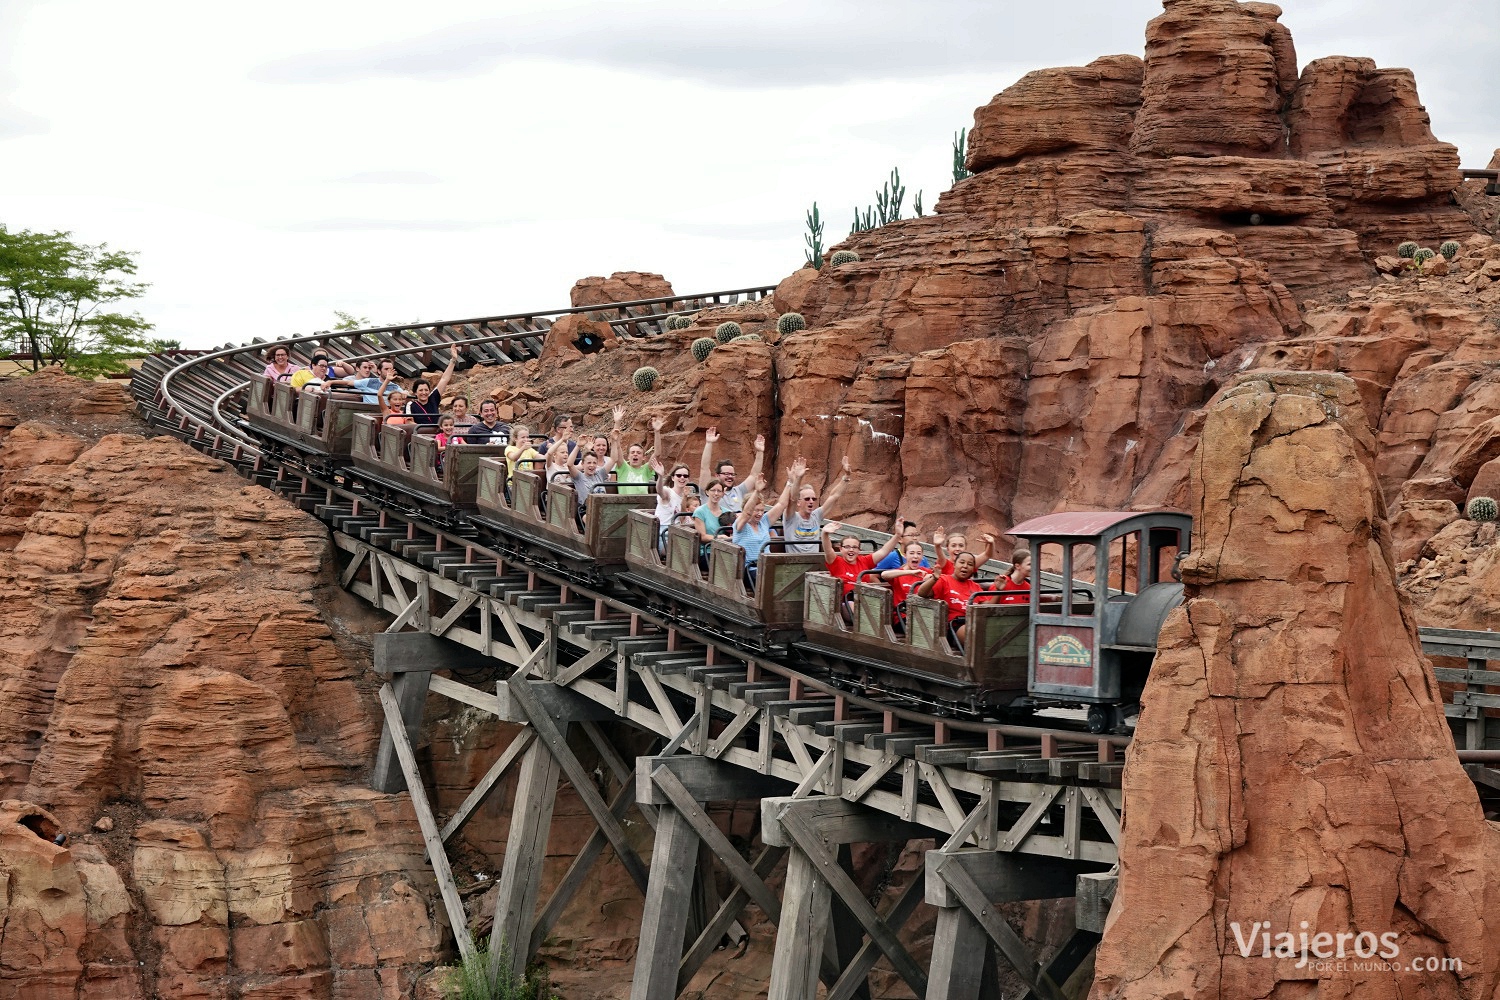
[(1099, 718)]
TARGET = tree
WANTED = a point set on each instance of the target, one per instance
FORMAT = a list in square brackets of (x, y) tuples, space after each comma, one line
[(349, 321), (54, 295)]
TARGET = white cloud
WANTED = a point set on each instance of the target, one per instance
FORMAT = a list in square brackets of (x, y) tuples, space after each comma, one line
[(476, 157)]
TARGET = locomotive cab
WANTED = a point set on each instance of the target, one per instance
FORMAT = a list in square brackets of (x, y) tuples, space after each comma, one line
[(1096, 615)]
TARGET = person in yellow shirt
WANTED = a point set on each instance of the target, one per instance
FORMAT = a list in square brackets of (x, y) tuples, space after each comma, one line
[(519, 451), (315, 374)]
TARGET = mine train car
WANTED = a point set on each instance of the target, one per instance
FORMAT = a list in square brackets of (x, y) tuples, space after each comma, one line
[(762, 614), (317, 427), (1085, 640), (398, 464), (540, 523)]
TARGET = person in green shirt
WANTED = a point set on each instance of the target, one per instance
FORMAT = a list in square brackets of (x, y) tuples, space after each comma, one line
[(634, 470)]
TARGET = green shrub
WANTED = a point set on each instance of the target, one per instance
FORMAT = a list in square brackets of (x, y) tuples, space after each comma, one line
[(843, 257), (790, 323), (725, 332), (645, 378), (1407, 250), (470, 980), (702, 348), (1483, 510), (1449, 249)]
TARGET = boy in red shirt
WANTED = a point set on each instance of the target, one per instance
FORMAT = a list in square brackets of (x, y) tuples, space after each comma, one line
[(848, 564), (955, 590)]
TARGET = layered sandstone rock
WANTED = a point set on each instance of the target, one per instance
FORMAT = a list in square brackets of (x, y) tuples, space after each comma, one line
[(170, 674), (1292, 766), (621, 286)]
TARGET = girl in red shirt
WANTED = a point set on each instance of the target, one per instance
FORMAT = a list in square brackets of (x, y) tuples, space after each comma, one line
[(1016, 585), (847, 563), (955, 590), (904, 579)]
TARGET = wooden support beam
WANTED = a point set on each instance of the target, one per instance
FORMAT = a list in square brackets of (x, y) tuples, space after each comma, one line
[(524, 697), (703, 780), (858, 970), (950, 871), (844, 935), (800, 932), (559, 703), (810, 841), (728, 912), (552, 910), (838, 821), (486, 785), (739, 869), (410, 692), (1096, 894), (668, 902), (521, 872), (1004, 877), (436, 854), (959, 947)]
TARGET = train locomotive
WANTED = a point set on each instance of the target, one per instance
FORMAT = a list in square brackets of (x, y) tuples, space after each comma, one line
[(1084, 641)]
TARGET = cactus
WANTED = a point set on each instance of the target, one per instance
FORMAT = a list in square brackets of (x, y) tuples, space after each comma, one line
[(725, 332), (1449, 249), (676, 322), (702, 348), (749, 336), (1483, 510), (1406, 250), (644, 379), (1422, 256), (814, 237), (790, 323), (843, 257)]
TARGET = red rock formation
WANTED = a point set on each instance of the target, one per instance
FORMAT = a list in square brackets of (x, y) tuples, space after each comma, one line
[(168, 668), (1292, 763), (622, 286)]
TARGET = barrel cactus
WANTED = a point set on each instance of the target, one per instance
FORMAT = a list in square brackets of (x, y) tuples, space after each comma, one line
[(1407, 250), (645, 378), (790, 323), (702, 348), (1423, 255), (843, 257), (1449, 249), (1483, 510), (749, 336), (676, 322), (725, 332)]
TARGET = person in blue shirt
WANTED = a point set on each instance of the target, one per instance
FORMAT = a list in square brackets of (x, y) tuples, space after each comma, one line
[(365, 382), (896, 560), (752, 525)]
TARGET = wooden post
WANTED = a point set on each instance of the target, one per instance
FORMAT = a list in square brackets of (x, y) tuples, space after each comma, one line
[(958, 956), (525, 851), (799, 936), (668, 901)]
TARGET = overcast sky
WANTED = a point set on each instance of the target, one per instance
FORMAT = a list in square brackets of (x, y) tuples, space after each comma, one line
[(277, 161)]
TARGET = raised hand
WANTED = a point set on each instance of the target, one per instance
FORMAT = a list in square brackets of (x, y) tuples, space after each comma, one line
[(831, 527), (658, 422), (711, 435), (847, 468), (939, 536), (618, 412), (656, 467), (799, 467), (989, 540), (760, 442)]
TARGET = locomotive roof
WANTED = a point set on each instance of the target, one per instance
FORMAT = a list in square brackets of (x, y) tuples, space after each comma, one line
[(1086, 523)]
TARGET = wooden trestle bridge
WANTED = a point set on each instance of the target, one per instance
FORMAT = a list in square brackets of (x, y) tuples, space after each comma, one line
[(1008, 812)]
